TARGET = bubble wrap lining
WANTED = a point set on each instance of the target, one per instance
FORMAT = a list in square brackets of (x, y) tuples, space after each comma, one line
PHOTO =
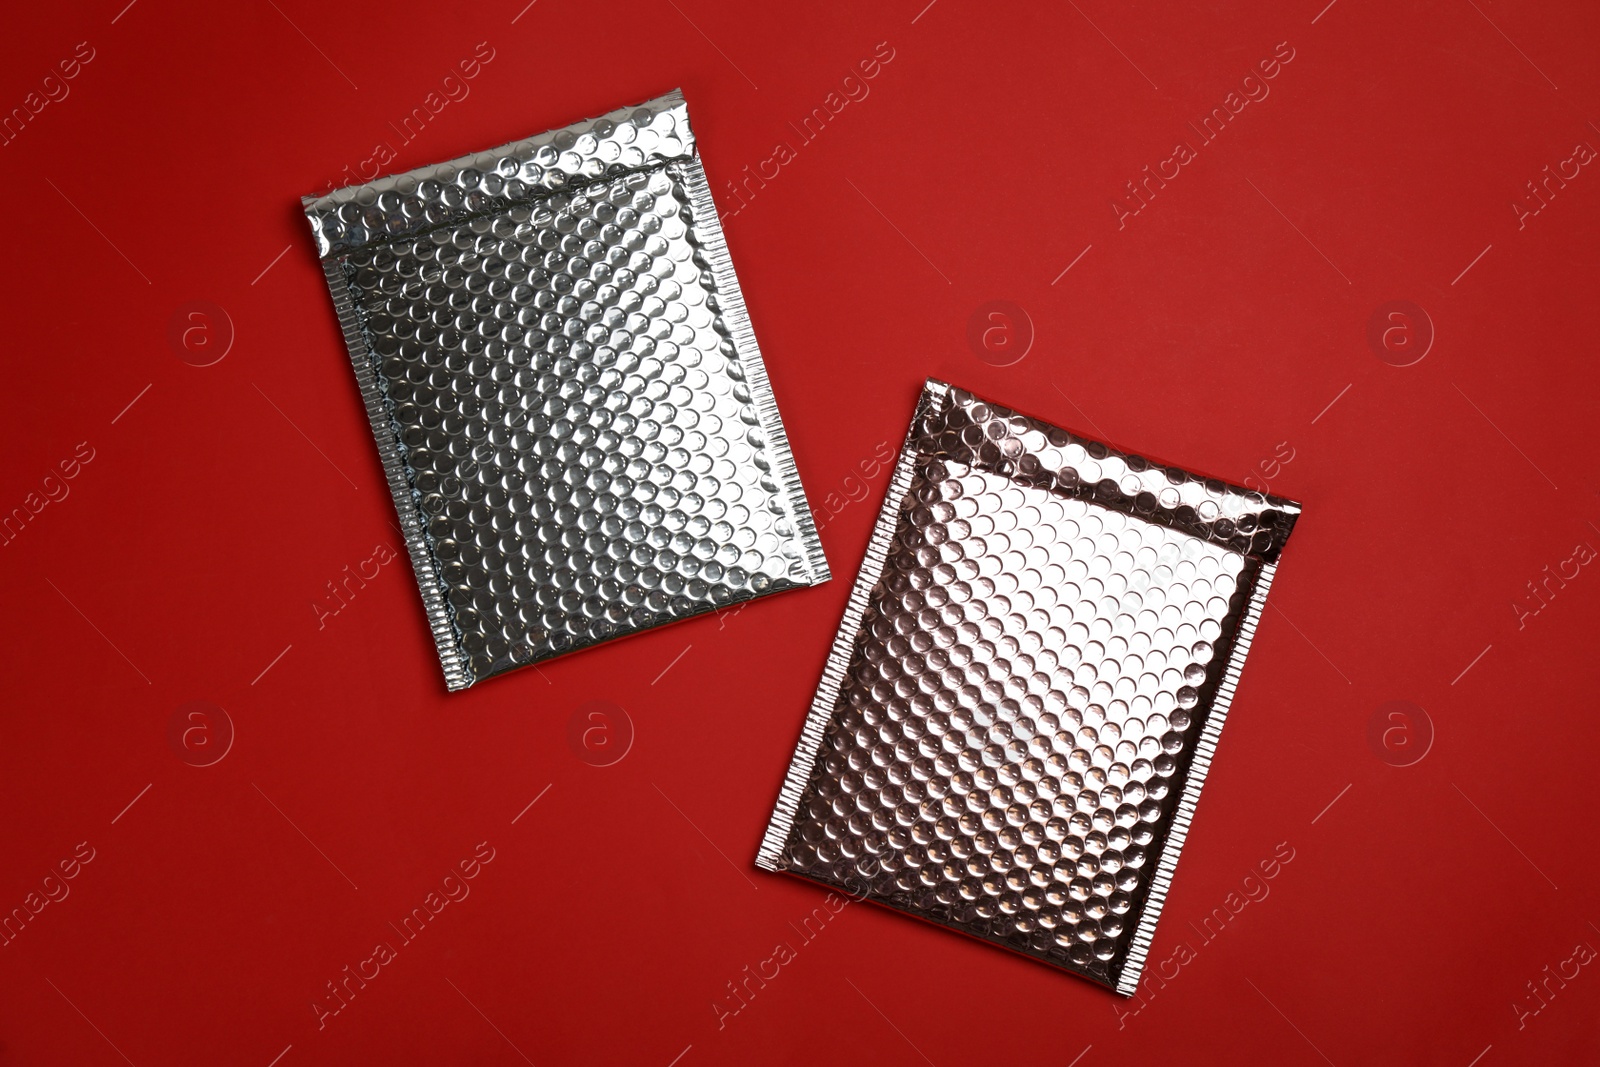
[(572, 413), (1028, 686)]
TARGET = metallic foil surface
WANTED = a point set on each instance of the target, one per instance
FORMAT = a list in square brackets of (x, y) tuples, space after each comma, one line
[(572, 413), (1028, 686)]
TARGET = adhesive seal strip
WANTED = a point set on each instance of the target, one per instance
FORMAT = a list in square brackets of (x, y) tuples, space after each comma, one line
[(572, 413), (1026, 692)]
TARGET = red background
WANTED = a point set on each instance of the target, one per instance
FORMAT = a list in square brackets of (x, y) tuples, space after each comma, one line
[(1213, 329)]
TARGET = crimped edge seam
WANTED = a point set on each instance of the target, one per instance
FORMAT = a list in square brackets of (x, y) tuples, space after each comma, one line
[(736, 318), (773, 843), (457, 674), (1199, 767)]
